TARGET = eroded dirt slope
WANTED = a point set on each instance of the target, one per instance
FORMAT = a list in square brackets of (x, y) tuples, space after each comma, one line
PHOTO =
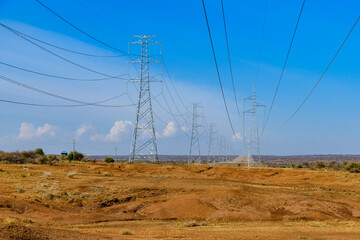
[(69, 194)]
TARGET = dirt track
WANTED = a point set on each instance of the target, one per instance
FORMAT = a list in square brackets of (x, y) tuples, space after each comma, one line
[(103, 201)]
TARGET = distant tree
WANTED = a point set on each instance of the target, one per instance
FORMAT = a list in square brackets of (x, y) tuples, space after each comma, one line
[(109, 160), (39, 152), (78, 156)]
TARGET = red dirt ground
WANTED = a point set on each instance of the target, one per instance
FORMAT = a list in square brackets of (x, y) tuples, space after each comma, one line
[(145, 201)]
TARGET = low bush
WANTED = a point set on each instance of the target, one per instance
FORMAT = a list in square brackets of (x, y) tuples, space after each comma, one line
[(78, 156), (43, 160), (109, 160), (320, 165), (353, 167)]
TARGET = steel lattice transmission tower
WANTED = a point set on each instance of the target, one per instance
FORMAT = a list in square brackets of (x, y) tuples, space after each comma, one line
[(211, 150), (222, 149), (143, 146), (194, 153), (253, 139)]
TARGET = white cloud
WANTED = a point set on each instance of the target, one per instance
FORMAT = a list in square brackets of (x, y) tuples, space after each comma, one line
[(28, 130), (184, 128), (169, 130), (237, 137), (119, 128), (83, 129)]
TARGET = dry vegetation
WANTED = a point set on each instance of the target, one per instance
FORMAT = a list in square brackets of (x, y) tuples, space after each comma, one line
[(145, 201)]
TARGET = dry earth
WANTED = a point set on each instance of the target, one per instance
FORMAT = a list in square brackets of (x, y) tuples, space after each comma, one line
[(145, 201)]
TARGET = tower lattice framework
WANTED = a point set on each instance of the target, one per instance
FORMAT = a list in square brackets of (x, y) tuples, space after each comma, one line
[(143, 146), (253, 139), (194, 153), (211, 159)]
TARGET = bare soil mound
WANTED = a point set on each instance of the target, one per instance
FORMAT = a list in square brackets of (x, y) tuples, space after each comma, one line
[(15, 232)]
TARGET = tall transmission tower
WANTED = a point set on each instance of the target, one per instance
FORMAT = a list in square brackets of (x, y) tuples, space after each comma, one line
[(194, 153), (211, 159), (222, 149), (143, 146), (230, 153), (253, 139)]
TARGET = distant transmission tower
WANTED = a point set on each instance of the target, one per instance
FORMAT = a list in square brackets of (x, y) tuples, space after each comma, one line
[(253, 139), (211, 159), (143, 146), (222, 149), (194, 153)]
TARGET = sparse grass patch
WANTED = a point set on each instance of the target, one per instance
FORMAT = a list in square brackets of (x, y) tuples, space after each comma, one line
[(84, 195), (47, 174), (191, 224), (71, 175), (11, 221), (127, 232), (20, 189)]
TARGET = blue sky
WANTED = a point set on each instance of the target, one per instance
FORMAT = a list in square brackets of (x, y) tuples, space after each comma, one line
[(326, 124)]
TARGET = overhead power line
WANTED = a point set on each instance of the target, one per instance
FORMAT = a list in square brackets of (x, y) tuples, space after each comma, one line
[(64, 106), (217, 69), (322, 75), (77, 28), (172, 82), (72, 51), (283, 69), (230, 66), (61, 77), (58, 96), (52, 53)]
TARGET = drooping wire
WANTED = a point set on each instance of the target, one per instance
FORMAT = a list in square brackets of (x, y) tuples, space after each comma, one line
[(283, 69), (65, 106), (229, 58), (64, 78), (77, 28), (217, 69), (72, 51), (52, 53), (159, 118), (322, 75), (172, 82), (58, 96)]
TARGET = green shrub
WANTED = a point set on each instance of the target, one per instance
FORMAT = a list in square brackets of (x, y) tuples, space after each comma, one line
[(52, 158), (353, 167), (43, 160), (320, 165), (78, 156), (39, 152), (12, 158), (28, 154), (109, 160)]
